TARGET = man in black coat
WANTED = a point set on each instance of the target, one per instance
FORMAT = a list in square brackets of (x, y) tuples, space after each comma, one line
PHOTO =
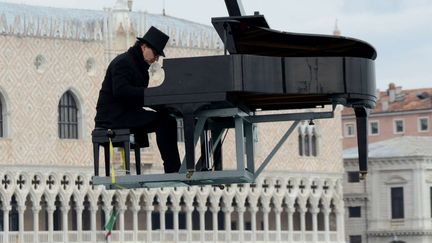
[(121, 98)]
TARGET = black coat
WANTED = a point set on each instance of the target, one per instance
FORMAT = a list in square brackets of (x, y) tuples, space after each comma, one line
[(122, 94)]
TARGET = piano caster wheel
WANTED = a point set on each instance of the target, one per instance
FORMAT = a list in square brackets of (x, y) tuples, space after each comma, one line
[(189, 174)]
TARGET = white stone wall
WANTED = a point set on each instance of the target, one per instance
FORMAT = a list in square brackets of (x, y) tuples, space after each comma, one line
[(411, 173)]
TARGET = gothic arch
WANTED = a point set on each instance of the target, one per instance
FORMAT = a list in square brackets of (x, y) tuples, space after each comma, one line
[(4, 113), (79, 101)]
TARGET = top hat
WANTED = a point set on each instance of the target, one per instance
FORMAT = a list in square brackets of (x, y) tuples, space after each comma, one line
[(156, 39)]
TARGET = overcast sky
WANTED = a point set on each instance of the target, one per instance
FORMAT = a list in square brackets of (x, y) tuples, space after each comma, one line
[(398, 29)]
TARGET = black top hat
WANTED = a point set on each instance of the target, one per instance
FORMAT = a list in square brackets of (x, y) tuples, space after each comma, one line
[(156, 39)]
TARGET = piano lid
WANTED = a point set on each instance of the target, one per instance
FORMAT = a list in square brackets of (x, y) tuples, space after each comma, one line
[(252, 35)]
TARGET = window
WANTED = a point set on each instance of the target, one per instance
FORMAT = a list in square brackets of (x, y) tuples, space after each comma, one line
[(399, 126), (68, 117), (423, 124), (373, 128), (354, 212), (397, 203), (353, 176), (308, 140), (355, 239), (349, 130), (1, 118)]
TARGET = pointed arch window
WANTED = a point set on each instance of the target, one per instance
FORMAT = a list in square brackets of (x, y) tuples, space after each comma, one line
[(307, 140), (68, 117), (1, 119)]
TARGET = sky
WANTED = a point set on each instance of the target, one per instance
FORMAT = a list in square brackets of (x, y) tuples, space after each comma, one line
[(397, 29)]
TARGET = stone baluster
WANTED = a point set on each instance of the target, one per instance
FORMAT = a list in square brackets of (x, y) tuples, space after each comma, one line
[(189, 209), (121, 211), (93, 211), (253, 209)]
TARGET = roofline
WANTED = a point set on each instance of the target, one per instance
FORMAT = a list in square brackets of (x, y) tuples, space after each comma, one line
[(387, 113)]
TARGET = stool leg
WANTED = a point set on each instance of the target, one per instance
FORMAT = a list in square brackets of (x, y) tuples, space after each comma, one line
[(96, 158), (138, 158), (107, 160), (127, 156)]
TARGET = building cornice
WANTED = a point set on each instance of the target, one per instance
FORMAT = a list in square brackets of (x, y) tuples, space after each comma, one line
[(390, 113)]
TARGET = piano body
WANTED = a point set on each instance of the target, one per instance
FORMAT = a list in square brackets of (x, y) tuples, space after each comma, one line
[(265, 70)]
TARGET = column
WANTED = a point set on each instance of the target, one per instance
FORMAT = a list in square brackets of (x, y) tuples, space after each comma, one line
[(314, 211), (266, 211), (189, 209), (176, 209), (290, 212), (107, 210), (36, 210), (302, 211), (50, 210), (65, 210), (6, 209), (202, 209), (215, 209), (121, 211), (228, 210), (93, 211), (326, 211), (21, 210), (278, 211), (79, 209), (135, 210), (240, 211), (253, 210), (340, 222), (162, 210), (149, 209)]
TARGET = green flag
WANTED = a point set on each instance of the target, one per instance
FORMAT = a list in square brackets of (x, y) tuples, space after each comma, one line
[(110, 224)]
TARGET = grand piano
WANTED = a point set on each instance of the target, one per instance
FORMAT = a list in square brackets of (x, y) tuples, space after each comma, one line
[(261, 70)]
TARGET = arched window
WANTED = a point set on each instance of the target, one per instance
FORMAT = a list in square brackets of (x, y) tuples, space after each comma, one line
[(1, 118), (68, 116), (307, 139)]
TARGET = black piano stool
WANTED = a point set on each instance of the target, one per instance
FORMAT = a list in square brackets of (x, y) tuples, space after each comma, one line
[(119, 138)]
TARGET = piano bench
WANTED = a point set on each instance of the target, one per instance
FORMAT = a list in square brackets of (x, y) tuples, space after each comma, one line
[(119, 138)]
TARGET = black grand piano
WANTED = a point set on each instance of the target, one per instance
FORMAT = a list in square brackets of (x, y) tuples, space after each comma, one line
[(265, 70)]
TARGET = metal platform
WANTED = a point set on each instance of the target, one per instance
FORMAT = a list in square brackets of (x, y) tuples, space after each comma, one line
[(245, 172)]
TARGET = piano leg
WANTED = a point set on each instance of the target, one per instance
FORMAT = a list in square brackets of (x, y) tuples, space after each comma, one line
[(362, 139)]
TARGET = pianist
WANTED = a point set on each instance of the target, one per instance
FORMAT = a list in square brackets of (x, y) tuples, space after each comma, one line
[(121, 98)]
